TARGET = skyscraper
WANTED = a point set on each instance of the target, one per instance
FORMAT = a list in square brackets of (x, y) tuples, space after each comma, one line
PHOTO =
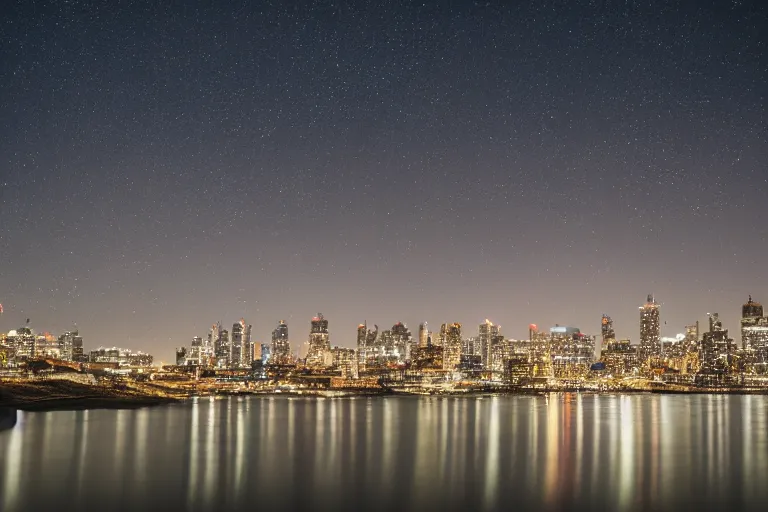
[(281, 347), (451, 345), (423, 335), (319, 342), (754, 336), (717, 351), (606, 329), (650, 330), (487, 334), (241, 353)]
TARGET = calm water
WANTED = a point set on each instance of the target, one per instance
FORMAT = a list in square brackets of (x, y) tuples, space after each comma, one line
[(560, 452)]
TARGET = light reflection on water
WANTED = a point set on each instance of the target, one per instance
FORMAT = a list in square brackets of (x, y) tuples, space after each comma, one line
[(557, 452)]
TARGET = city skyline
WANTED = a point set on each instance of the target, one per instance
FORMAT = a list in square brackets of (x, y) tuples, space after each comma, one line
[(300, 338), (168, 167)]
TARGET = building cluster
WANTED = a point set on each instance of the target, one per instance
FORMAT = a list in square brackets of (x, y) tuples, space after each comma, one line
[(22, 345), (560, 352)]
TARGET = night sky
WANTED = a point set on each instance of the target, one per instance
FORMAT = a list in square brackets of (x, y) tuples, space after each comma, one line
[(163, 168)]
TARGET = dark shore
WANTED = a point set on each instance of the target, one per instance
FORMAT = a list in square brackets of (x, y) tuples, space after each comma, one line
[(58, 395)]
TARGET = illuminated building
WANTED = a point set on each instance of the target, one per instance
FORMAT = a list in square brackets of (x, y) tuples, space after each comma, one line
[(71, 346), (451, 345), (367, 347), (470, 346), (195, 355), (620, 357), (488, 334), (754, 336), (572, 351), (121, 356), (319, 342), (181, 356), (240, 346), (219, 339), (717, 351), (423, 335), (501, 351), (401, 340), (343, 359), (281, 347), (606, 331), (22, 341), (650, 331), (519, 370)]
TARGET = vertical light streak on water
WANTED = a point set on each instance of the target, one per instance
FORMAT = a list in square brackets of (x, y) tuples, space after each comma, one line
[(270, 438), (321, 448), (443, 441), (595, 464), (551, 456), (623, 433), (455, 444), (240, 434), (723, 438), (579, 442), (194, 455), (711, 416), (141, 424), (759, 436), (655, 447), (747, 446), (368, 433), (14, 464), (533, 442), (353, 405), (81, 457), (120, 435), (291, 429), (336, 432), (388, 427), (479, 408), (667, 448), (211, 457), (491, 480)]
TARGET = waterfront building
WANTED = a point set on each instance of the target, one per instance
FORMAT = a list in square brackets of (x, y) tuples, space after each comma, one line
[(319, 342), (754, 336), (22, 341), (451, 345), (572, 351), (121, 356), (619, 357), (608, 335), (717, 353), (488, 334), (70, 346), (423, 335), (650, 331), (343, 360), (400, 343), (241, 349), (280, 352), (181, 356)]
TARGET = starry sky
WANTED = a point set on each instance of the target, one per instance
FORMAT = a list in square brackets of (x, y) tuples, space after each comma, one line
[(165, 165)]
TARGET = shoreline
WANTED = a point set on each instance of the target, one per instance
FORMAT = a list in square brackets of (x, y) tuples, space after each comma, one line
[(85, 399)]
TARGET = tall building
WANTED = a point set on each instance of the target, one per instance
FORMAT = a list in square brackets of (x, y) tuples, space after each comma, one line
[(196, 355), (754, 336), (650, 330), (608, 335), (451, 345), (717, 350), (241, 351), (319, 342), (71, 346), (368, 349), (487, 334), (281, 347), (181, 356), (401, 342), (423, 335)]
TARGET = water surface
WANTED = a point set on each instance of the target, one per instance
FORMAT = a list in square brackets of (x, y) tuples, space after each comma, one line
[(555, 452)]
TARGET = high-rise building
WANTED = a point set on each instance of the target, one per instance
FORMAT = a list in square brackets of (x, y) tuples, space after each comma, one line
[(607, 332), (319, 342), (401, 341), (181, 356), (650, 331), (717, 351), (451, 334), (71, 346), (754, 336), (241, 350), (281, 347), (487, 334), (195, 356), (423, 335)]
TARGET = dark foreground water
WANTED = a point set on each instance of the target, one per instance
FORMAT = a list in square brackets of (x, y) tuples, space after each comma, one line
[(556, 452)]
